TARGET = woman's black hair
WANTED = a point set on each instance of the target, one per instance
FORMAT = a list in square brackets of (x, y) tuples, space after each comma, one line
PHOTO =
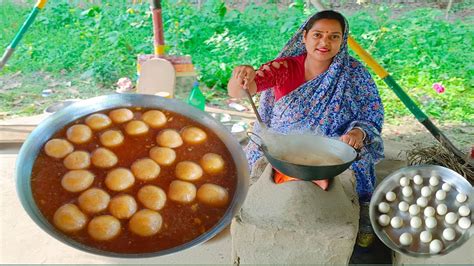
[(326, 14)]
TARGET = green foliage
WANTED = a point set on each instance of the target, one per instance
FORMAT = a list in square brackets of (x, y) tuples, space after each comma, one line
[(418, 47), (219, 40), (96, 42)]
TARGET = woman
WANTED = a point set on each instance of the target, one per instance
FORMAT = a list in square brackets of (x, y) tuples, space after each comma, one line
[(314, 85)]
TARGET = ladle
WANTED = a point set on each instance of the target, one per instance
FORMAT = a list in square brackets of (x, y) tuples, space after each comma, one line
[(259, 119)]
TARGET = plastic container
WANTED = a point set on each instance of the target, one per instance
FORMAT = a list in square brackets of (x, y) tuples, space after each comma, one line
[(196, 98)]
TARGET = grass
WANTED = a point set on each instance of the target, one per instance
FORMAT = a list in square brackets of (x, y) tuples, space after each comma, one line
[(91, 46), (24, 95)]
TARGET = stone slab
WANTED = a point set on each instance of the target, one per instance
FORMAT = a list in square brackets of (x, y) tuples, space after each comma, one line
[(296, 222)]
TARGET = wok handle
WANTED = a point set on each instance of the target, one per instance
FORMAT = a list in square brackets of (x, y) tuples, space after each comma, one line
[(359, 150), (250, 135)]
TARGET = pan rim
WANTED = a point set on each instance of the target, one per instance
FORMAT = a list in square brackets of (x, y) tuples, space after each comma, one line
[(346, 146)]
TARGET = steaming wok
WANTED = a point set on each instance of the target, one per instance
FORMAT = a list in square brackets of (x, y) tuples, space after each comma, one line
[(284, 151)]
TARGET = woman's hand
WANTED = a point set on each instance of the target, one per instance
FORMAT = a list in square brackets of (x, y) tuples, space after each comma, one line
[(244, 74), (242, 79), (355, 138)]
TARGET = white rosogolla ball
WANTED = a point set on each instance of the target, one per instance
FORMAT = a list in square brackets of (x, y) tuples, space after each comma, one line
[(436, 246), (464, 222), (406, 239), (426, 236), (440, 195), (461, 197), (403, 206), (414, 209), (396, 222), (390, 196), (422, 202), (404, 181), (434, 181), (451, 218), (384, 207), (442, 209), (384, 220), (426, 191), (446, 187), (415, 222), (449, 234), (429, 211), (464, 210), (407, 191), (417, 179), (431, 222)]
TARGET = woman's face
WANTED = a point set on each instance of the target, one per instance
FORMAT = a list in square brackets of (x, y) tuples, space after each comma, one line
[(323, 40)]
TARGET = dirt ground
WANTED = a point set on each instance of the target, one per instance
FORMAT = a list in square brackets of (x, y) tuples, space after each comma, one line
[(408, 132)]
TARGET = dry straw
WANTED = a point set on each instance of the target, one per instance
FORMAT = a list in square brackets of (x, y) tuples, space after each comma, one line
[(439, 155)]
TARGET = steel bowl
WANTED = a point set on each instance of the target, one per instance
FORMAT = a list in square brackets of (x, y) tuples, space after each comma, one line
[(390, 236), (36, 140)]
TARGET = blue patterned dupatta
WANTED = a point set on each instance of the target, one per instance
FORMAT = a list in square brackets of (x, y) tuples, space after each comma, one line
[(343, 97)]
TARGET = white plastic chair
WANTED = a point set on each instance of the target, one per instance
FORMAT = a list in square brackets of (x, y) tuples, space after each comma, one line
[(157, 77)]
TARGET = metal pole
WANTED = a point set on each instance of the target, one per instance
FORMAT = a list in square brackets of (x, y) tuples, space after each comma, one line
[(159, 39), (11, 48)]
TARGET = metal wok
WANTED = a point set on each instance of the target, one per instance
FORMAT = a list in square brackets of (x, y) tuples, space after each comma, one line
[(307, 144), (36, 140)]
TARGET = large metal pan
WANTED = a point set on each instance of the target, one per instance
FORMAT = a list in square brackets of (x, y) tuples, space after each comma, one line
[(36, 140), (305, 144), (390, 236)]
